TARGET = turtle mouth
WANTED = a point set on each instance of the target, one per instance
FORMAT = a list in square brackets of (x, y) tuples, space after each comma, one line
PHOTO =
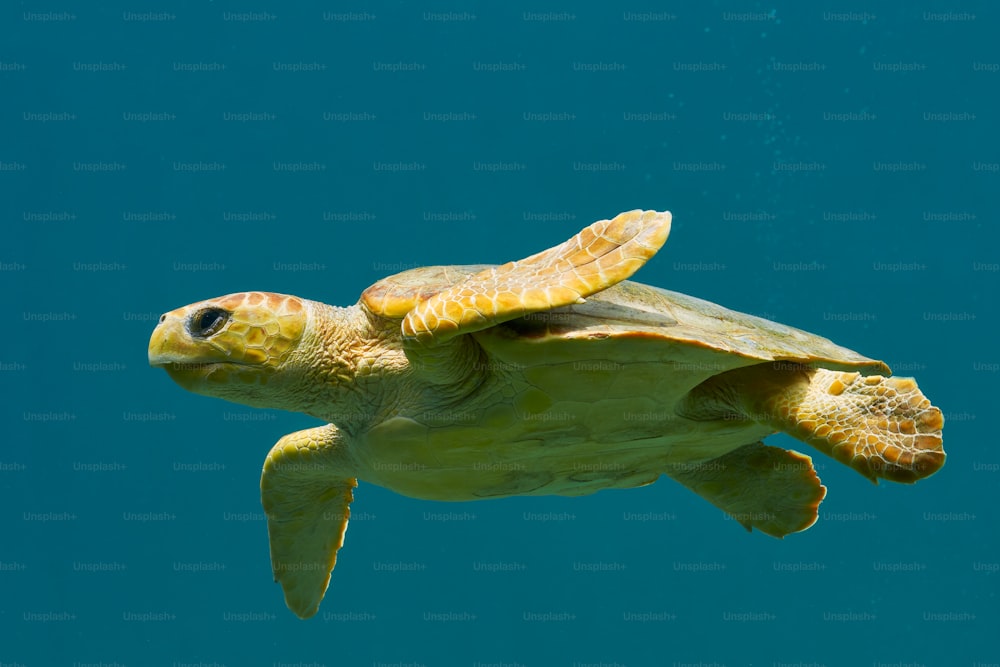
[(208, 377), (173, 361), (193, 366), (191, 373)]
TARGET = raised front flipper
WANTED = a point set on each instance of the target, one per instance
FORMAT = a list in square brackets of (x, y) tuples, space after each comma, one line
[(601, 255)]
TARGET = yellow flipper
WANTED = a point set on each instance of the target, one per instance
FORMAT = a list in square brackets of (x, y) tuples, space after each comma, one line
[(768, 488), (307, 498), (603, 254), (880, 426)]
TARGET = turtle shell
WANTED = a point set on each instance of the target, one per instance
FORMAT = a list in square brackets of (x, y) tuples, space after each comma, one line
[(641, 323)]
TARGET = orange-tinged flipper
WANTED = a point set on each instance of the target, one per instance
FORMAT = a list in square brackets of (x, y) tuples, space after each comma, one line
[(601, 255)]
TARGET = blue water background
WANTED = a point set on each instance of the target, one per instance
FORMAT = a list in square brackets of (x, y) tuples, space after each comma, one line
[(765, 128)]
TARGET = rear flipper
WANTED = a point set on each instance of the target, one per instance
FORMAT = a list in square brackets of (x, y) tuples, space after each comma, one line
[(880, 426), (768, 488)]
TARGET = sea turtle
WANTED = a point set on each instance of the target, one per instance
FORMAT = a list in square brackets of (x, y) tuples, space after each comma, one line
[(548, 375)]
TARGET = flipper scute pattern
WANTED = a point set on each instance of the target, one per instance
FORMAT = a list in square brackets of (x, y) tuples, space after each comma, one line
[(603, 254)]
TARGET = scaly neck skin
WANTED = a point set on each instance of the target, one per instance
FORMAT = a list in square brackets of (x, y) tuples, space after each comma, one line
[(349, 368)]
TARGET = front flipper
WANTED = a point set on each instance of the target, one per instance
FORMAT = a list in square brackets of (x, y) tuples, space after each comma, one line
[(306, 490), (768, 488), (603, 254)]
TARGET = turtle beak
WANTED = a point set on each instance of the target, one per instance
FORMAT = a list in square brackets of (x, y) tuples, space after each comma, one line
[(171, 348), (189, 362), (159, 342), (170, 343)]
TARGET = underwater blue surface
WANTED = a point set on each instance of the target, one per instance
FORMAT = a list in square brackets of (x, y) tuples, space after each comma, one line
[(832, 166)]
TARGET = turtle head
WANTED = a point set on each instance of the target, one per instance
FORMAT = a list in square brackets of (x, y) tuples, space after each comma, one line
[(239, 347)]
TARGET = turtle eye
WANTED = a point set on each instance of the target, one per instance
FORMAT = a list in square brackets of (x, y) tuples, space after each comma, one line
[(207, 322)]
